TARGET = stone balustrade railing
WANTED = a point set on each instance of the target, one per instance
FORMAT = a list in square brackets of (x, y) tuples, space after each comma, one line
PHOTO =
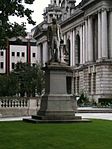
[(16, 106), (11, 103)]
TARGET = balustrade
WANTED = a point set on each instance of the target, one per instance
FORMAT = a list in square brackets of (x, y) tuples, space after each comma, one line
[(11, 103)]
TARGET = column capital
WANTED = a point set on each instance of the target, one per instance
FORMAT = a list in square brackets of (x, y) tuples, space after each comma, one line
[(90, 16), (81, 24), (99, 11), (104, 9), (86, 18), (77, 31), (70, 30), (110, 9)]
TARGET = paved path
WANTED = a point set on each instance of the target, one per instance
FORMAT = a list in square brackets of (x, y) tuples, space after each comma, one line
[(105, 116), (13, 118)]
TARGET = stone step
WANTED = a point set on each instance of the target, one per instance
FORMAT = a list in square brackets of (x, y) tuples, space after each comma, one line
[(55, 121), (30, 120), (95, 111), (37, 117)]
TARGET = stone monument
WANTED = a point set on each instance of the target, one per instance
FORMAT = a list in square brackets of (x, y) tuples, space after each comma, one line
[(57, 104)]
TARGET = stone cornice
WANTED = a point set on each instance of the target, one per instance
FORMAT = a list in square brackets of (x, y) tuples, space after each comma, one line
[(70, 19)]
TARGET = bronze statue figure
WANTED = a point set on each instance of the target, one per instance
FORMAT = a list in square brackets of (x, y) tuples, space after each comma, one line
[(54, 38)]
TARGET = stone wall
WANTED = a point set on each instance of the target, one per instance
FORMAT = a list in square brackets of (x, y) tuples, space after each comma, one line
[(95, 80), (104, 81)]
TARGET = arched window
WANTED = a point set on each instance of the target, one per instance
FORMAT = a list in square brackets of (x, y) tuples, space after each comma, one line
[(77, 50)]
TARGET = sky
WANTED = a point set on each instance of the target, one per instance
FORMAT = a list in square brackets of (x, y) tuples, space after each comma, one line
[(38, 7)]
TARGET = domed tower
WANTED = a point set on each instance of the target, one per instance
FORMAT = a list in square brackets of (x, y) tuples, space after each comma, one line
[(53, 11), (56, 2)]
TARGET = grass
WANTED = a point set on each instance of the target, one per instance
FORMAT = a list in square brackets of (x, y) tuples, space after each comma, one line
[(21, 135)]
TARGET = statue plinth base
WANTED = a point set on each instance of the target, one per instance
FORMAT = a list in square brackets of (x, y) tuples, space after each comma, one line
[(56, 103), (57, 107)]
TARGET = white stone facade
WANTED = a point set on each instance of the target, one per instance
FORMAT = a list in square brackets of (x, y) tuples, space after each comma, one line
[(24, 51), (88, 28)]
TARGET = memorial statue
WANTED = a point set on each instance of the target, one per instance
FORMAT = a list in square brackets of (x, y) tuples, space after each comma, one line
[(54, 39)]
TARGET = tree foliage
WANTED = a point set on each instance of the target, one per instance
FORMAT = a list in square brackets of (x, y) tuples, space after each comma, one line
[(24, 80), (8, 85), (13, 8), (30, 79)]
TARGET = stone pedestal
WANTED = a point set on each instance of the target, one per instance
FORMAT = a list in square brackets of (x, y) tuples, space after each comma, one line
[(57, 104)]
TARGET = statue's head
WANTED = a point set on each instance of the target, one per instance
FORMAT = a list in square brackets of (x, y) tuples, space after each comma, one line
[(54, 20)]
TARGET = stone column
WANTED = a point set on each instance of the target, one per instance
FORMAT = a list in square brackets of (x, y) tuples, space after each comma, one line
[(86, 28), (65, 39), (73, 47), (81, 45), (45, 53), (84, 48), (90, 40), (99, 36), (104, 34), (110, 34)]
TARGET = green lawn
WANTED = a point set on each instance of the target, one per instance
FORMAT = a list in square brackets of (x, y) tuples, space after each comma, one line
[(21, 135)]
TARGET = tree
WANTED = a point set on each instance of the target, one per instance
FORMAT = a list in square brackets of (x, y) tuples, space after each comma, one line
[(30, 79), (13, 8), (39, 81), (8, 85), (23, 80)]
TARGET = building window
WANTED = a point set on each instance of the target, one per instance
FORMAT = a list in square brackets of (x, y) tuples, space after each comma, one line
[(89, 83), (94, 82), (74, 85), (95, 38), (77, 50), (69, 85), (23, 54), (13, 53), (34, 54), (1, 53), (1, 65), (13, 65), (18, 54), (78, 85)]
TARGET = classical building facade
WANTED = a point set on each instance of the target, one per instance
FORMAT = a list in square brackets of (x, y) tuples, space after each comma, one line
[(87, 34)]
